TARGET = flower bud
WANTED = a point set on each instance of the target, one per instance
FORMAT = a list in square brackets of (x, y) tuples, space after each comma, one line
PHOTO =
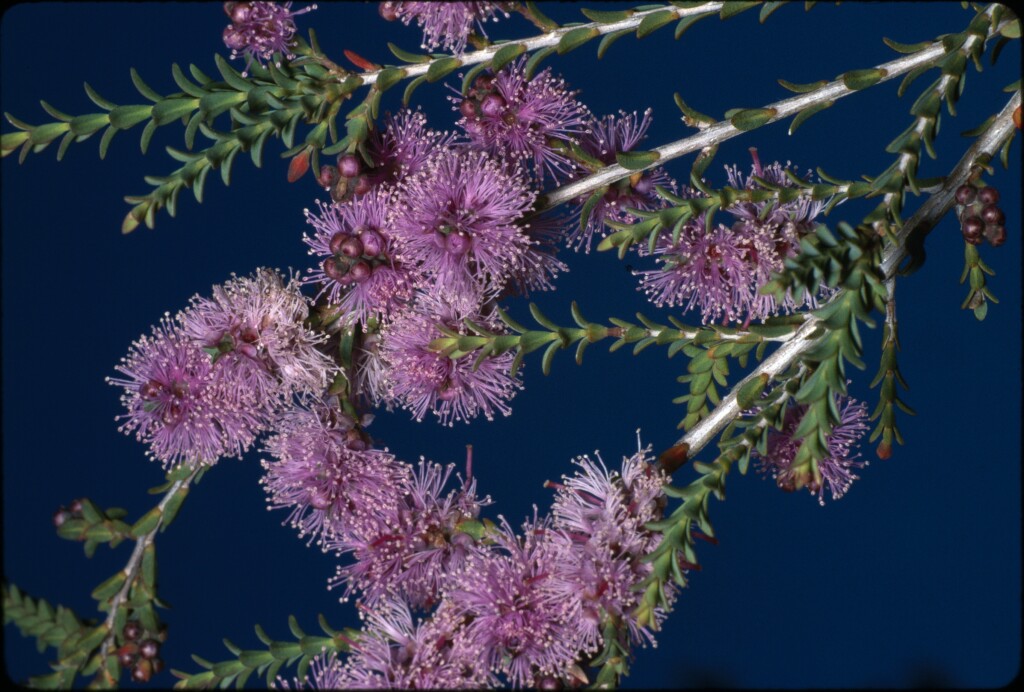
[(349, 165), (993, 215), (965, 194), (373, 243), (468, 108), (132, 630), (332, 270), (149, 648), (996, 235), (360, 271), (126, 655), (233, 38), (388, 11), (363, 185), (142, 671), (352, 247), (328, 176), (972, 229), (240, 12), (60, 516), (492, 105), (458, 243), (988, 195)]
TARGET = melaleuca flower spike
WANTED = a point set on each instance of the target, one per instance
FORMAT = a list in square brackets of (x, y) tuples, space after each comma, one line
[(182, 405), (260, 29), (446, 25)]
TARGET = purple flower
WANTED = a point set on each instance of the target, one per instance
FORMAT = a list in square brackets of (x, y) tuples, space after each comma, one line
[(518, 624), (412, 553), (254, 327), (835, 470), (326, 672), (516, 117), (360, 269), (393, 652), (260, 29), (456, 220), (540, 266), (372, 381), (773, 231), (186, 408), (604, 139), (708, 270), (325, 474), (454, 388), (445, 24), (404, 146), (602, 541)]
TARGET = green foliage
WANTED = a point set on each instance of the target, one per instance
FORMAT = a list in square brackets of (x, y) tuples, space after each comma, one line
[(888, 376), (975, 269), (268, 660)]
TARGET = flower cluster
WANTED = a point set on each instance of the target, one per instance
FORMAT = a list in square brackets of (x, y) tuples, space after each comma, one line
[(835, 470), (203, 385), (719, 270), (446, 25), (260, 29)]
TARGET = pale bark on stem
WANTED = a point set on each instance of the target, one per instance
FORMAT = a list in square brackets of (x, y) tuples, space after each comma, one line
[(134, 564), (933, 209), (550, 39), (725, 130)]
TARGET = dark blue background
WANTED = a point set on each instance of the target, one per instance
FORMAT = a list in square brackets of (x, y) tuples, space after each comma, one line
[(914, 578)]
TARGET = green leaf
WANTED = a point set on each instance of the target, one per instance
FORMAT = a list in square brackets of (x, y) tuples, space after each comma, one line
[(731, 8), (655, 21), (637, 160), (124, 117), (609, 39), (173, 505), (110, 586), (507, 54), (231, 75), (607, 16), (407, 96), (535, 60), (769, 8), (169, 110), (575, 38), (807, 113), (686, 22), (442, 67), (97, 99), (406, 56), (752, 118), (862, 79), (212, 104), (906, 48), (389, 77), (144, 89), (802, 88)]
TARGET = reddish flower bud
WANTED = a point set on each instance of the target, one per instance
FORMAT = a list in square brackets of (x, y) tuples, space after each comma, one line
[(298, 166), (360, 272), (988, 195), (132, 630), (468, 108), (965, 194), (352, 247), (492, 105), (142, 671), (972, 229), (349, 165), (993, 215), (337, 240), (373, 243), (149, 648), (127, 655), (328, 176), (996, 235)]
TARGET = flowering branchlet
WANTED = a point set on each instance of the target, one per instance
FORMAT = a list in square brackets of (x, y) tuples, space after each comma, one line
[(605, 138), (186, 408), (446, 25), (260, 29), (512, 116), (835, 471)]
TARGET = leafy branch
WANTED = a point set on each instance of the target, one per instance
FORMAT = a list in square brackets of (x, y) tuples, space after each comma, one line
[(267, 661), (485, 343), (888, 375)]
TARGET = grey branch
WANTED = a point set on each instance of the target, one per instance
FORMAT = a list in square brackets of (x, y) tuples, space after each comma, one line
[(723, 130), (552, 38)]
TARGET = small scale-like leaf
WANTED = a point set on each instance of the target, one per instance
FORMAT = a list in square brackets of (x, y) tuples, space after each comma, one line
[(574, 38), (507, 54), (807, 113), (752, 118), (654, 21), (637, 160), (442, 67), (862, 79), (389, 77)]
